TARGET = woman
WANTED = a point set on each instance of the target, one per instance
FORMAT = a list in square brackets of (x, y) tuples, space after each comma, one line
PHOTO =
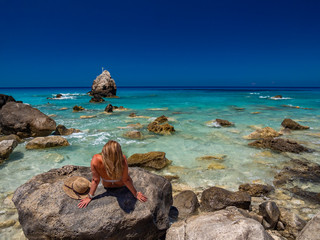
[(112, 167)]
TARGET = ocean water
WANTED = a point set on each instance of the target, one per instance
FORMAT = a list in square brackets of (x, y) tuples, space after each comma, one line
[(190, 111)]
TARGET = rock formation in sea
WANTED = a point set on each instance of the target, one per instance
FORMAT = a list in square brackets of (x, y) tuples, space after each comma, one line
[(263, 133), (24, 121), (161, 126), (289, 123), (96, 99), (153, 160), (109, 108), (62, 130), (104, 85), (135, 134), (47, 142), (77, 108), (46, 212)]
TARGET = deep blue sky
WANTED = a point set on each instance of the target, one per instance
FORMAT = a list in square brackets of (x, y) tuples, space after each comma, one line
[(160, 43)]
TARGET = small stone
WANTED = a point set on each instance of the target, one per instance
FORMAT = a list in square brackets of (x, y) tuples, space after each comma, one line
[(89, 116), (271, 213), (7, 224)]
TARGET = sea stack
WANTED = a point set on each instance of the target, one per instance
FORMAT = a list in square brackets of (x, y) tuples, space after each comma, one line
[(104, 85)]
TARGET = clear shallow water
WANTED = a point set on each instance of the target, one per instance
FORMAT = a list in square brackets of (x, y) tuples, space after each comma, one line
[(188, 110)]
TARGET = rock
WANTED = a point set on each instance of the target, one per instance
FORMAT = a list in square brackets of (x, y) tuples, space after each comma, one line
[(62, 130), (293, 224), (216, 198), (219, 157), (256, 190), (109, 108), (271, 213), (46, 212), (59, 95), (155, 160), (104, 85), (133, 134), (186, 202), (88, 116), (6, 148), (25, 121), (277, 96), (11, 137), (47, 142), (8, 223), (263, 133), (96, 99), (279, 145), (289, 123), (227, 224), (224, 123), (161, 126), (171, 177), (312, 230), (4, 99), (216, 166), (63, 108), (132, 115), (77, 108)]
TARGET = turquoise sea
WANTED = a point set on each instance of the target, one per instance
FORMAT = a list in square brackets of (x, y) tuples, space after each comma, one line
[(189, 111)]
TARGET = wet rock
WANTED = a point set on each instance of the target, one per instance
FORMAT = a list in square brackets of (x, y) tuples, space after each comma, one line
[(4, 99), (256, 190), (309, 195), (77, 108), (8, 223), (88, 116), (104, 85), (109, 108), (96, 99), (46, 212), (289, 123), (171, 177), (279, 145), (132, 115), (47, 142), (312, 230), (161, 126), (63, 108), (216, 166), (155, 160), (292, 223), (219, 157), (277, 96), (271, 213), (11, 137), (62, 130), (59, 95), (263, 133), (227, 224), (216, 198), (186, 202), (224, 123), (133, 134), (25, 121), (6, 148)]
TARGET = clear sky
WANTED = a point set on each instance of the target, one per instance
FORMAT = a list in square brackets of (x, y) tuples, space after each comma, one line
[(160, 43)]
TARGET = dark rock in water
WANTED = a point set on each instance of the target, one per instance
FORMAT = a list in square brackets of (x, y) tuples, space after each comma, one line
[(4, 99), (256, 190), (224, 123), (155, 160), (25, 121), (186, 202), (96, 99), (46, 212), (310, 196), (62, 130), (280, 145), (11, 137), (6, 148), (216, 198), (270, 213), (59, 95), (132, 115), (77, 108), (278, 96), (289, 123), (293, 224), (109, 108), (104, 85), (312, 230), (227, 224), (47, 142), (161, 126)]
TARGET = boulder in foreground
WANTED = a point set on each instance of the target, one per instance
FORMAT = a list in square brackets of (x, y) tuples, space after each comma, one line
[(25, 121), (47, 142), (155, 160), (227, 224), (46, 212)]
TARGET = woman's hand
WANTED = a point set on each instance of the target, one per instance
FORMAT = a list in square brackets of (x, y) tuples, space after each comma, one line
[(141, 197), (84, 202)]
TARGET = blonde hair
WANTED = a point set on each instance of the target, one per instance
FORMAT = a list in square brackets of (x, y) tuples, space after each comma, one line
[(112, 159)]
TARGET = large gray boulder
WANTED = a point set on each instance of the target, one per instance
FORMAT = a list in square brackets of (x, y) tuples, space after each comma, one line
[(25, 121), (47, 142), (6, 148), (227, 224), (104, 86), (46, 212), (187, 203), (312, 230)]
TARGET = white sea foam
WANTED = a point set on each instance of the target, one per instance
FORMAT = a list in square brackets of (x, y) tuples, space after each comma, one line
[(255, 93), (213, 124), (264, 96), (283, 98)]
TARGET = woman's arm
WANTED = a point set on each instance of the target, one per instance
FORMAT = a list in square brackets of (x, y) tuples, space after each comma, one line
[(94, 184), (126, 179)]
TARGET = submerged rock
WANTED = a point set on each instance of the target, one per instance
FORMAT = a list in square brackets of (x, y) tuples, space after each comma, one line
[(263, 133), (62, 130), (96, 99), (256, 190), (25, 121), (109, 108), (227, 224), (219, 157), (77, 108), (216, 198), (277, 96), (280, 145), (134, 134), (289, 123), (186, 202), (155, 160), (47, 142), (46, 212), (104, 85), (216, 166), (161, 126), (6, 148)]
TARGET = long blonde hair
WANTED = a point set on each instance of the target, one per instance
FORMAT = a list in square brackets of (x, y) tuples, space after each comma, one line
[(112, 159)]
